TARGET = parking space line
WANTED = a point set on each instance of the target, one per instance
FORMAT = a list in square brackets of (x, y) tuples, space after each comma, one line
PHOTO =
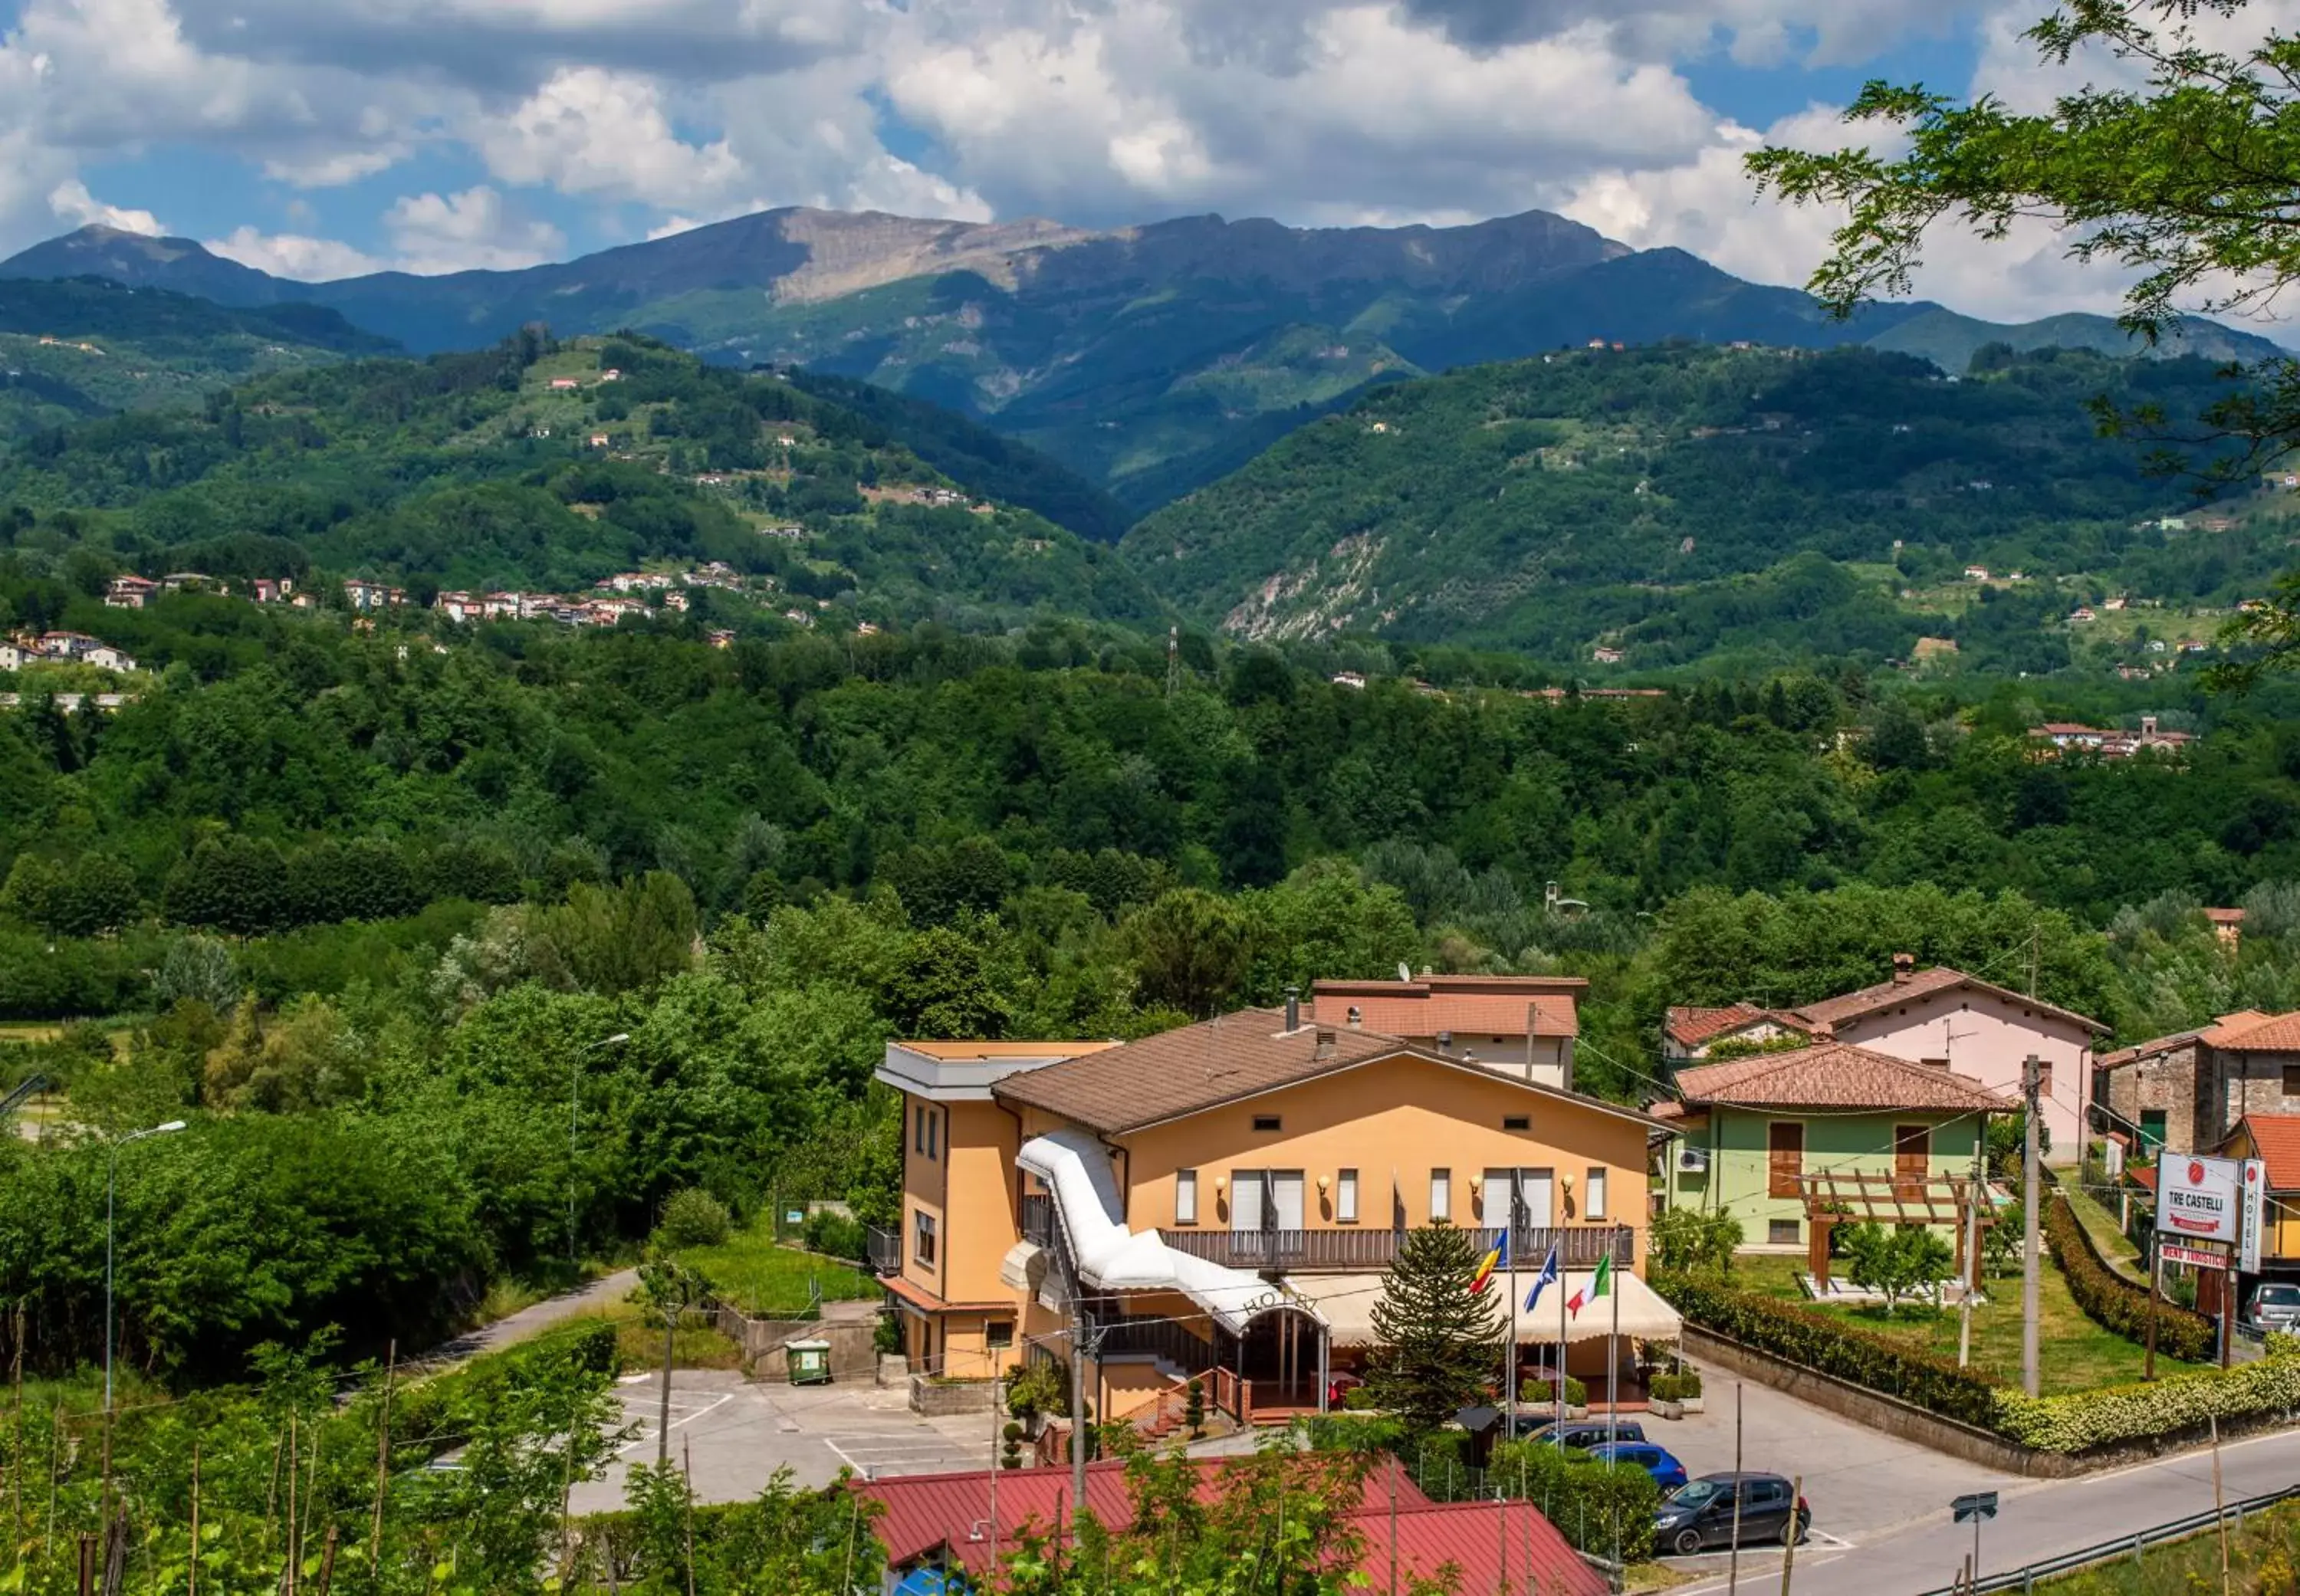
[(646, 1435)]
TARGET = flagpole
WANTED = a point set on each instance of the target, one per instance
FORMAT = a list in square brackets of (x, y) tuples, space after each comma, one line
[(1509, 1347), (1614, 1366), (1560, 1348)]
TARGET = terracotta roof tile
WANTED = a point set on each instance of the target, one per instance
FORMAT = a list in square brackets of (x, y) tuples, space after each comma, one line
[(2257, 1033), (1187, 1072), (1833, 1075), (2147, 1050), (2278, 1138), (1691, 1027), (1852, 1005)]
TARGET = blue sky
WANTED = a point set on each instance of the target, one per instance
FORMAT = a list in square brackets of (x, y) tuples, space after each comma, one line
[(433, 135)]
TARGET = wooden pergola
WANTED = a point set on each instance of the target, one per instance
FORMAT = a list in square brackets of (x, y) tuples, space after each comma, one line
[(1847, 1196)]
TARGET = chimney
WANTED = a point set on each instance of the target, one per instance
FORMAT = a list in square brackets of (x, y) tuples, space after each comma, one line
[(1325, 1049), (2148, 725), (1357, 1018), (1905, 965), (1292, 1008), (1445, 1042)]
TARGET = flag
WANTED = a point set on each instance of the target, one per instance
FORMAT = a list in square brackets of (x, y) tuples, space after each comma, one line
[(1490, 1262), (1548, 1276), (1601, 1285)]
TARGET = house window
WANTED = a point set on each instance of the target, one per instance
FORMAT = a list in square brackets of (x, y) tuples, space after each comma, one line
[(1517, 1122), (1266, 1122), (1784, 1157), (2044, 1077), (1185, 1197), (997, 1335), (1441, 1195), (922, 1238), (2292, 1080), (1780, 1233), (922, 1139), (1593, 1194), (1934, 1063), (1346, 1197)]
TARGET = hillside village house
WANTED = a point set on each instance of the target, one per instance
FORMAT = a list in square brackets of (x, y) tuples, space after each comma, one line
[(1778, 1139), (1221, 1200), (2187, 1092), (1938, 1016), (1525, 1024)]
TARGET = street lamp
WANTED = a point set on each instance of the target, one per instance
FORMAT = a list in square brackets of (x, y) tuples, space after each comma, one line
[(574, 1103), (111, 1181)]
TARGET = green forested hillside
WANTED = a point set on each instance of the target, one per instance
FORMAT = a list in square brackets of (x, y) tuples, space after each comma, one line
[(527, 466), (82, 347), (1675, 500)]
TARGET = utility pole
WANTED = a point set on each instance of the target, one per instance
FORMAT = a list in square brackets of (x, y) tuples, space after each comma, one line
[(1974, 1198), (1077, 1399), (2031, 1074)]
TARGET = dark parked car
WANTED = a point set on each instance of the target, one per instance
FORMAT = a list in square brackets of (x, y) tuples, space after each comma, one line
[(1667, 1472), (1579, 1431), (1700, 1513)]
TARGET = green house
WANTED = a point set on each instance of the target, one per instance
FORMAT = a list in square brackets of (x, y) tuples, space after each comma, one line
[(1762, 1136)]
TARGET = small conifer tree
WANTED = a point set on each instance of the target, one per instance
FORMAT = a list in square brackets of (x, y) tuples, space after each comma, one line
[(1438, 1346)]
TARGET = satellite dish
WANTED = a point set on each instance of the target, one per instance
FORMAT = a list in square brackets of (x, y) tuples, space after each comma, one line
[(1404, 971)]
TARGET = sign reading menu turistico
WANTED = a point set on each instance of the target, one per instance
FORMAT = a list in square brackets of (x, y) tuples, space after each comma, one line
[(2200, 1197)]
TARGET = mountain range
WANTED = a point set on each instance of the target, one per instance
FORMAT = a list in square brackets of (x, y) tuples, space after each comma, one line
[(1150, 360)]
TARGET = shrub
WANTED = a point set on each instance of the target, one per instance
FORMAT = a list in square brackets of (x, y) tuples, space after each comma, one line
[(1577, 1395), (1821, 1343), (1671, 1388), (2086, 1420), (1689, 1241), (2115, 1304), (1540, 1390), (694, 1217), (1603, 1509), (833, 1232)]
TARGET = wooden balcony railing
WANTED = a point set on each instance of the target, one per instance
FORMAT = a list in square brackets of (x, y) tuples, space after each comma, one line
[(1366, 1252)]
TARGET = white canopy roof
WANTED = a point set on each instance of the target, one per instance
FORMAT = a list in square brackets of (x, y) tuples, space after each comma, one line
[(1346, 1303)]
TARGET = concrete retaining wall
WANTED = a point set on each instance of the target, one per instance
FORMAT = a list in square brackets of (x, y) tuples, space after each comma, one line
[(943, 1399), (854, 1344)]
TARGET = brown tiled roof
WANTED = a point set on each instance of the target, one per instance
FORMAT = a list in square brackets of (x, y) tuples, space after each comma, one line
[(2225, 917), (2254, 1033), (1690, 1027), (1215, 1061), (1833, 1075), (2147, 1050), (1923, 983), (1467, 1014)]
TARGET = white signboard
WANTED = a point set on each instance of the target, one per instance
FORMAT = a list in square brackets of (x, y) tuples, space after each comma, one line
[(2198, 1198), (2196, 1258), (2256, 1213)]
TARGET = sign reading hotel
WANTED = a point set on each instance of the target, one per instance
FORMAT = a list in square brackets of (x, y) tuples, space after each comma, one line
[(2200, 1198)]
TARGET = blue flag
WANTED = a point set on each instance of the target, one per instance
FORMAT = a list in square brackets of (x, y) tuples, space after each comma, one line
[(1548, 1276)]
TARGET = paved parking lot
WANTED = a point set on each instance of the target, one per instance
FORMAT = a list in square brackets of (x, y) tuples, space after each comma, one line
[(736, 1434)]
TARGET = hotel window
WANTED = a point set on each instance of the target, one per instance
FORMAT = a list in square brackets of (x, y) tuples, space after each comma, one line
[(1185, 1197), (922, 1238), (1266, 1122), (1441, 1195), (1593, 1194), (1517, 1122), (1346, 1197)]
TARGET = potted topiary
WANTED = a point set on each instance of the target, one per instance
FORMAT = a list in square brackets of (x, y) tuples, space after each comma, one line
[(1688, 1389), (1577, 1399), (1011, 1452), (1662, 1397)]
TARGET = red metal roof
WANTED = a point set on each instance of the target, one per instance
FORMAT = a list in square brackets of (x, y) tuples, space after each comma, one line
[(949, 1514)]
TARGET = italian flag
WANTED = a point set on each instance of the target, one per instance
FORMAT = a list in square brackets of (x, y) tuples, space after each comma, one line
[(1601, 1285)]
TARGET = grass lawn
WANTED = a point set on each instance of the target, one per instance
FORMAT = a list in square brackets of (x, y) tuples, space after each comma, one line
[(2073, 1353), (767, 1280), (2263, 1560), (2101, 1225)]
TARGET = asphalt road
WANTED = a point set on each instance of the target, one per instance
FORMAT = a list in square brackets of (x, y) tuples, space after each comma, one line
[(2036, 1519)]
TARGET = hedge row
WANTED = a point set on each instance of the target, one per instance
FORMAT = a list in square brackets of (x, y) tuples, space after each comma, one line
[(2114, 1302), (1817, 1342), (2076, 1422), (2082, 1421)]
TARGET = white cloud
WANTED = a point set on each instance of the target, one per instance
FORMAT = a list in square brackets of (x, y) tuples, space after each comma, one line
[(293, 254), (591, 131), (472, 230), (74, 204)]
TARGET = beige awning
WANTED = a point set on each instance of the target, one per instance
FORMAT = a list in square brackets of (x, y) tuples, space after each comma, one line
[(1346, 1302)]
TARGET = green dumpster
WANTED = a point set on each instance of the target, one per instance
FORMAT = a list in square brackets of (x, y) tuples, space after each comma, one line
[(809, 1362)]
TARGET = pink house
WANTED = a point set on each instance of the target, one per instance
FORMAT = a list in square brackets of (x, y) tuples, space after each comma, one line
[(1940, 1017)]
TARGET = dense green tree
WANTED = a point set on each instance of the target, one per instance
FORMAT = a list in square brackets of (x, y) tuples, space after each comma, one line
[(1438, 1347)]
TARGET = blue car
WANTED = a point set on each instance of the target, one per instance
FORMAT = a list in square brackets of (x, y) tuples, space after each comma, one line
[(1667, 1472)]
